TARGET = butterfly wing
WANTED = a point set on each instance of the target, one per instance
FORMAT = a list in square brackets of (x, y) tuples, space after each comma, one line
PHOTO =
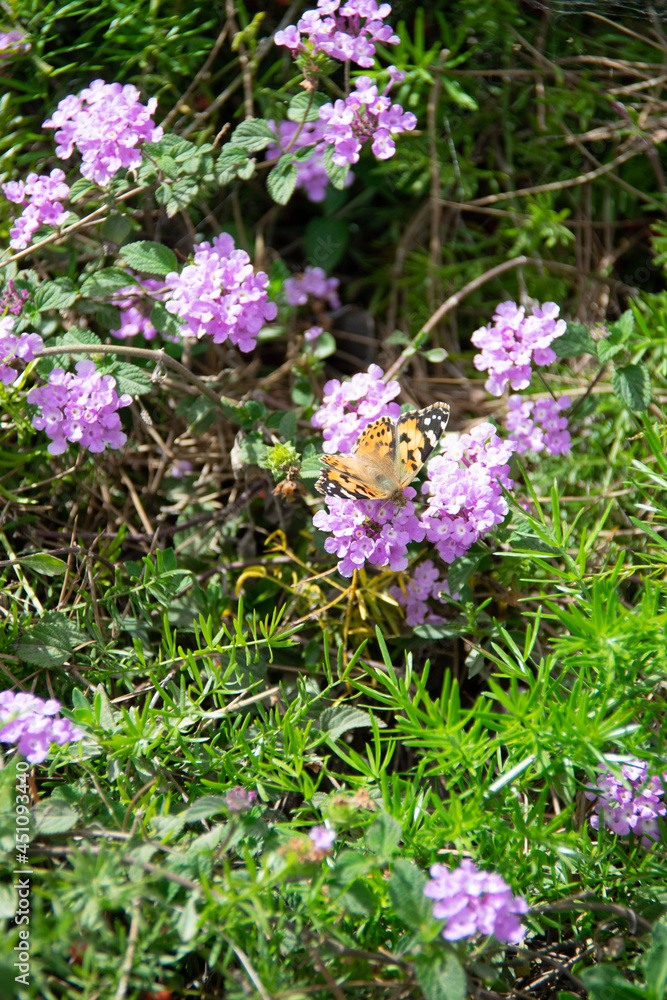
[(346, 477), (418, 433)]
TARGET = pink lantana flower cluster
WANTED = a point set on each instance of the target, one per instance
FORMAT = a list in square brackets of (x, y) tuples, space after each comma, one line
[(369, 531), (464, 487), (13, 348), (41, 196), (537, 425), (30, 722), (314, 283), (362, 116), (349, 407), (347, 30), (422, 584), (220, 295), (475, 902), (631, 803), (135, 305), (311, 174), (81, 409), (105, 123), (514, 342), (12, 43)]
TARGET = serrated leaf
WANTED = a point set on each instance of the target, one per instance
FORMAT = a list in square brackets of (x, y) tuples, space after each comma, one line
[(130, 379), (384, 836), (462, 569), (47, 644), (306, 107), (54, 816), (406, 889), (57, 294), (77, 335), (624, 325), (350, 865), (252, 135), (104, 282), (207, 805), (575, 341), (340, 719), (336, 174), (177, 196), (82, 186), (44, 563), (359, 900), (253, 451), (233, 162), (282, 180), (441, 976), (165, 322), (311, 466), (632, 385), (115, 229), (609, 347), (150, 257)]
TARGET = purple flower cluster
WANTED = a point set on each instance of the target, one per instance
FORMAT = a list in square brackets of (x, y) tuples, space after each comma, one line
[(220, 295), (29, 722), (79, 408), (369, 531), (342, 30), (135, 307), (13, 299), (631, 803), (465, 496), (239, 799), (422, 584), (322, 837), (12, 348), (311, 174), (106, 123), (313, 282), (536, 425), (514, 342), (11, 44), (475, 902), (41, 195), (349, 407), (362, 116)]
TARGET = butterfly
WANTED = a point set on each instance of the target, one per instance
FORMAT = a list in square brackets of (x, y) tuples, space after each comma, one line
[(386, 457)]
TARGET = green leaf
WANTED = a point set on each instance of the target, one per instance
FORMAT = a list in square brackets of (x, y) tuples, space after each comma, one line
[(233, 162), (406, 889), (44, 563), (575, 341), (435, 355), (110, 279), (311, 466), (605, 981), (188, 921), (462, 569), (441, 976), (324, 346), (58, 294), (655, 961), (282, 180), (384, 836), (305, 107), (337, 175), (359, 900), (207, 805), (150, 257), (81, 187), (54, 816), (48, 644), (350, 865), (253, 451), (115, 229), (165, 322), (610, 346), (130, 379), (287, 425), (177, 196), (341, 719), (325, 241), (624, 325), (253, 134), (632, 385)]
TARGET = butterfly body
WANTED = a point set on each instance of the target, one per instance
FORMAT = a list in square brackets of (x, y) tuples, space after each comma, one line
[(386, 457)]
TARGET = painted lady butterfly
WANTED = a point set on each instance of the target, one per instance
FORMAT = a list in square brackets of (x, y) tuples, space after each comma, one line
[(386, 458)]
